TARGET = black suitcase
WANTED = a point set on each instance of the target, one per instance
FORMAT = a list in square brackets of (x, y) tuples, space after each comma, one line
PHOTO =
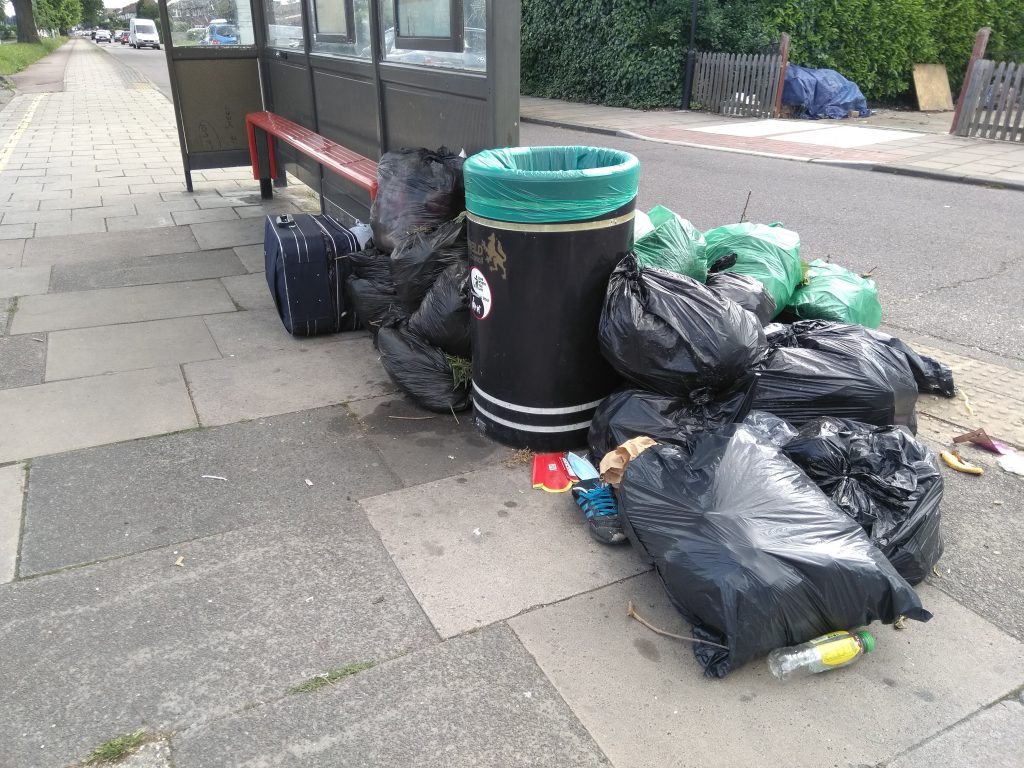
[(307, 262)]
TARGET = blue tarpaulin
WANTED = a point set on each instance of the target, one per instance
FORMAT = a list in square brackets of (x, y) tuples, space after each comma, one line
[(822, 93)]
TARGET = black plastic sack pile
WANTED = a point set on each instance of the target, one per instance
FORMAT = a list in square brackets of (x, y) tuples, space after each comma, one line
[(885, 480), (630, 413), (745, 291), (370, 288), (673, 335), (419, 259), (818, 368), (751, 552), (443, 317), (416, 189), (421, 370)]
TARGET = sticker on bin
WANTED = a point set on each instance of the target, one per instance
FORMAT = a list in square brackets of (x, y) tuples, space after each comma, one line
[(480, 301)]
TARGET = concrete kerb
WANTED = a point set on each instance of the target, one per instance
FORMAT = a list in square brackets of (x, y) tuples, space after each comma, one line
[(899, 170)]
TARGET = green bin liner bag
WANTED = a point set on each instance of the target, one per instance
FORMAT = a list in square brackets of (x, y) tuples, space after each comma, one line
[(550, 184), (834, 293), (674, 244), (766, 252)]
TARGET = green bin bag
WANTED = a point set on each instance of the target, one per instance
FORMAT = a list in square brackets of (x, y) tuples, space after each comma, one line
[(675, 245), (768, 253), (834, 293)]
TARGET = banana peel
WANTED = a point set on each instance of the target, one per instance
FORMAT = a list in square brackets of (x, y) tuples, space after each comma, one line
[(954, 461)]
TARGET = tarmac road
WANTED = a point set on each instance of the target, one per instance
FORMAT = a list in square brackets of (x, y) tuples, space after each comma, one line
[(944, 255)]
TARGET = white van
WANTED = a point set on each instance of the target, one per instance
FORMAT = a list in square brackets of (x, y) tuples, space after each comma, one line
[(142, 33)]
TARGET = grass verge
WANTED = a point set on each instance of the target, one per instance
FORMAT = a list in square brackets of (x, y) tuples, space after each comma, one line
[(14, 57), (330, 677), (117, 749)]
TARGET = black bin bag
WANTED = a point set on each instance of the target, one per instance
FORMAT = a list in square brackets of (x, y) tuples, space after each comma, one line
[(745, 291), (751, 552), (443, 317), (819, 368), (884, 479), (420, 370), (673, 335), (629, 413), (420, 258), (416, 189)]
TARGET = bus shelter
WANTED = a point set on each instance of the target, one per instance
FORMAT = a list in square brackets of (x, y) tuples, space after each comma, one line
[(371, 75)]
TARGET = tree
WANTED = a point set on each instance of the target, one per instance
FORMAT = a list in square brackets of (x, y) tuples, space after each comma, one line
[(26, 18), (147, 9), (92, 12)]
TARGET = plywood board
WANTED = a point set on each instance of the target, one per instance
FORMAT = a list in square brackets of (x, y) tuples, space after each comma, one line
[(931, 83)]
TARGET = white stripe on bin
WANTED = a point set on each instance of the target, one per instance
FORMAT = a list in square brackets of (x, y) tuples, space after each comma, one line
[(478, 390), (530, 427)]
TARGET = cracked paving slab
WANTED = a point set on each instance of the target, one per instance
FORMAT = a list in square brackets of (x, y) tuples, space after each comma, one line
[(142, 641), (128, 497)]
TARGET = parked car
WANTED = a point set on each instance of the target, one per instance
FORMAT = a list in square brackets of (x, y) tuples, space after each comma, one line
[(220, 33), (102, 36)]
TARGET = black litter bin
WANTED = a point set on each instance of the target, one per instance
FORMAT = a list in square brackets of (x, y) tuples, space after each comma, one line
[(546, 227)]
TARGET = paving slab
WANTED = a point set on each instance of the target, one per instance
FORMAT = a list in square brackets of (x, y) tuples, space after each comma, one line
[(236, 389), (249, 291), (114, 500), (108, 306), (917, 682), (145, 270), (993, 738), (484, 546), (141, 642), (252, 257), (12, 488), (477, 701), (110, 348), (199, 216), (420, 446), (23, 281), (258, 331), (228, 234), (22, 360), (10, 253), (110, 245), (16, 231), (66, 415), (65, 229)]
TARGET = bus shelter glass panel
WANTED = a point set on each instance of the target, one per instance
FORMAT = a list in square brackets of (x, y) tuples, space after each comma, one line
[(353, 16), (205, 24), (284, 24), (469, 39)]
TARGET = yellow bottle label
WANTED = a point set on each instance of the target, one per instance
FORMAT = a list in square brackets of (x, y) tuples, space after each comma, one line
[(838, 651)]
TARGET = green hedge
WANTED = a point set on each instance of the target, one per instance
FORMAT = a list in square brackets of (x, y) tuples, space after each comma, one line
[(629, 52)]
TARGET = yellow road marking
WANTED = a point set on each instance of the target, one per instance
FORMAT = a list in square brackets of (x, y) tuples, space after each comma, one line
[(12, 141)]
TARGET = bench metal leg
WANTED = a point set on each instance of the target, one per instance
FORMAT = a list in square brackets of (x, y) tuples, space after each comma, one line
[(263, 157)]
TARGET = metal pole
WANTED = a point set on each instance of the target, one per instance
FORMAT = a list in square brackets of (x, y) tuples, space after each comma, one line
[(690, 57)]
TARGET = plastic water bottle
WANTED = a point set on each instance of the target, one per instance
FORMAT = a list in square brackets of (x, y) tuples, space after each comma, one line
[(831, 651)]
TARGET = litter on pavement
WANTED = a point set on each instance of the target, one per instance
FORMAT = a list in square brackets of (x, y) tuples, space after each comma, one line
[(755, 440)]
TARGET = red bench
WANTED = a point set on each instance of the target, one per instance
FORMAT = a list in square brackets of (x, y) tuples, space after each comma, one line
[(261, 126)]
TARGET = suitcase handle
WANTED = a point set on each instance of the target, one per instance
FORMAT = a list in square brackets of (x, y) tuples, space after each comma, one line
[(285, 220)]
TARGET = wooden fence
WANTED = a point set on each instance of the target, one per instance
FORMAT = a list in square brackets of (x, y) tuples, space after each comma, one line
[(741, 85), (993, 102)]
